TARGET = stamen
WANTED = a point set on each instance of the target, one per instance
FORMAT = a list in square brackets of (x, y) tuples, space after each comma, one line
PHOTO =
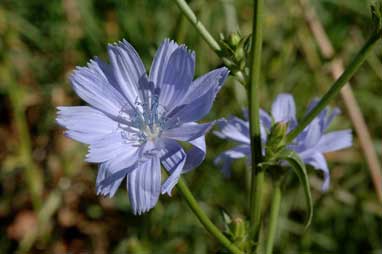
[(144, 121)]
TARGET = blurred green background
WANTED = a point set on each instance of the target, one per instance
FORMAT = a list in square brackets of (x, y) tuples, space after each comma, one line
[(48, 202)]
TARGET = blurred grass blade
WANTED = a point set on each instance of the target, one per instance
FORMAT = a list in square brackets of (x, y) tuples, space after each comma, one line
[(32, 174)]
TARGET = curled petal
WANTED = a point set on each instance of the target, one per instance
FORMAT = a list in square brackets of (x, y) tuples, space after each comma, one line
[(196, 155), (173, 160), (107, 182)]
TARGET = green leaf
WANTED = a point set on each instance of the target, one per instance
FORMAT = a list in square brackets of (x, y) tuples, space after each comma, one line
[(299, 168)]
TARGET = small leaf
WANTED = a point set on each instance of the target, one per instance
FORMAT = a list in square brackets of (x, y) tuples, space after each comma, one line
[(299, 168), (227, 221)]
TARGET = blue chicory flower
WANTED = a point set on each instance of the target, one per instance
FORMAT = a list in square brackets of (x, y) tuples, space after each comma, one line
[(133, 121), (311, 144)]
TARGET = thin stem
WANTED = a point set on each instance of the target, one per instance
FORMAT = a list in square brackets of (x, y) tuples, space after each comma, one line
[(336, 87), (350, 102), (275, 209), (212, 43), (187, 11), (203, 218), (257, 177)]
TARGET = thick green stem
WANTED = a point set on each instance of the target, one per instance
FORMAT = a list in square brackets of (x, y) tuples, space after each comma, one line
[(275, 209), (336, 87), (257, 177), (203, 218), (187, 11)]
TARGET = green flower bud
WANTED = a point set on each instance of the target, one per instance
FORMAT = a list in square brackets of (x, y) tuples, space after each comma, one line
[(276, 138), (234, 40), (239, 54), (279, 129)]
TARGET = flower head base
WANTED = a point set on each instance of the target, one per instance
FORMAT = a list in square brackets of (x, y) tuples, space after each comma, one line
[(134, 121), (310, 144)]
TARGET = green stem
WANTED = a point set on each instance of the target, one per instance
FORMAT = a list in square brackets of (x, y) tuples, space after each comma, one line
[(214, 45), (203, 218), (336, 87), (187, 11), (275, 209), (257, 177)]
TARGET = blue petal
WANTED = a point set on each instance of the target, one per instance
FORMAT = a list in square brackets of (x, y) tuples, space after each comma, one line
[(226, 157), (334, 141), (329, 119), (195, 107), (213, 80), (107, 182), (160, 62), (173, 160), (188, 131), (92, 85), (324, 118), (234, 129), (265, 125), (265, 119), (88, 123), (112, 172), (83, 137), (312, 134), (127, 68), (318, 161), (108, 147), (146, 91), (144, 185), (123, 158), (284, 110), (177, 78), (196, 155)]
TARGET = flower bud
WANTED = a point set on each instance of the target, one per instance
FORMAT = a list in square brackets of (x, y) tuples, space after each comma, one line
[(239, 54), (239, 228), (276, 138), (234, 39), (279, 129)]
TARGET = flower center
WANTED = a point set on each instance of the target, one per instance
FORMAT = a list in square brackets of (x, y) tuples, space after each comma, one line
[(144, 121), (152, 133)]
